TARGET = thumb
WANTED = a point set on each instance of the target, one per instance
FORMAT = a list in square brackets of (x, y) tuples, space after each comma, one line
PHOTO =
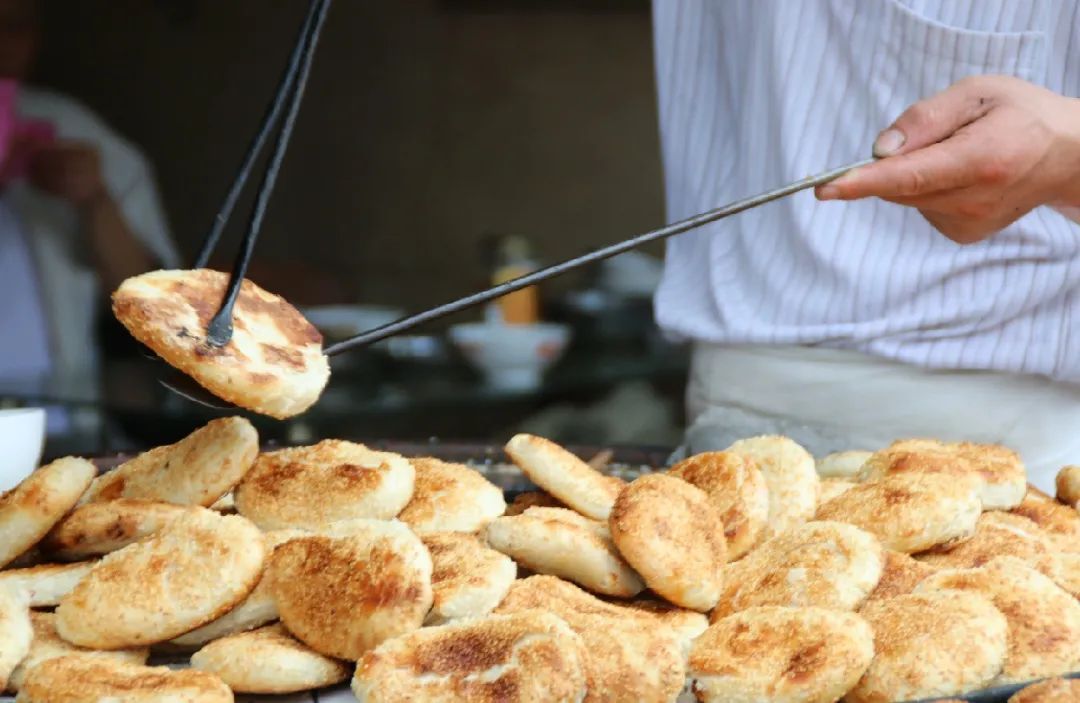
[(936, 118)]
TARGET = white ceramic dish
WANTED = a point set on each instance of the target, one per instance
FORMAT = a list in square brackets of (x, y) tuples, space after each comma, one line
[(511, 357), (22, 435), (338, 321)]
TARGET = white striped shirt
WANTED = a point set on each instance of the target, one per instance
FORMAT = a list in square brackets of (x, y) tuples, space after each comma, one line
[(757, 93)]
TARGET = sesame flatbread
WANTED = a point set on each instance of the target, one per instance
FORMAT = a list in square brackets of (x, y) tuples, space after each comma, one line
[(781, 654), (16, 632), (1002, 476), (564, 476), (193, 571), (1044, 620), (468, 578), (734, 483), (274, 363), (77, 679), (631, 654), (268, 660), (1056, 690), (45, 584), (343, 596), (821, 564), (560, 542), (531, 656), (792, 479), (95, 529), (450, 497), (47, 644), (910, 512), (932, 645), (311, 487), (671, 533), (1068, 486), (29, 510), (197, 470)]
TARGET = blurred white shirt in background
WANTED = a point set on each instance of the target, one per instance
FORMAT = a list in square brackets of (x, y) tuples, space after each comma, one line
[(65, 287)]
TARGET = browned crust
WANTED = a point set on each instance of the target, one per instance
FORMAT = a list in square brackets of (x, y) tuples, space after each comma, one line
[(158, 323), (672, 535), (1058, 522), (528, 656), (925, 643), (823, 564), (1043, 620), (448, 496), (999, 534), (161, 583), (75, 679), (327, 481), (630, 655), (900, 575), (197, 469), (992, 462), (31, 509), (99, 528), (343, 596), (532, 499), (909, 511), (734, 483), (793, 653)]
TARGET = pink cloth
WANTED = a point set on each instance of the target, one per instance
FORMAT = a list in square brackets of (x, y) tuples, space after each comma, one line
[(19, 138)]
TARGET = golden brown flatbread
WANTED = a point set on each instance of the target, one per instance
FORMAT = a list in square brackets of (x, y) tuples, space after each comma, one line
[(1000, 471), (274, 363), (516, 658), (735, 484), (671, 533)]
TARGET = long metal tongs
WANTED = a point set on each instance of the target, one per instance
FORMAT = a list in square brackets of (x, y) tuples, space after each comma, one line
[(197, 394), (407, 323), (289, 94)]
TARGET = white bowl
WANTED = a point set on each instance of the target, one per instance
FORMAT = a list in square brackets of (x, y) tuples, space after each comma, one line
[(511, 357), (22, 438), (338, 321)]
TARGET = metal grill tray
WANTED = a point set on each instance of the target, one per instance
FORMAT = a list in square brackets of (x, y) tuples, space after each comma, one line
[(626, 463), (999, 694)]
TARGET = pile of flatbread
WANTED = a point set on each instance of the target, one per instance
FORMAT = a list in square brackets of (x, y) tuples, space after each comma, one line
[(925, 569)]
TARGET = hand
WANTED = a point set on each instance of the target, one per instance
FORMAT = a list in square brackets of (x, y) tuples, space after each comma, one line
[(976, 157), (69, 170)]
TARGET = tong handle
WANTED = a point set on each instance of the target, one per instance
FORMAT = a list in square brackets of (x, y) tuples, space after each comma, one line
[(219, 331), (407, 323)]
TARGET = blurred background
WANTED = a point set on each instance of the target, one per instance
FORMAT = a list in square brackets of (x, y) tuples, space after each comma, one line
[(442, 145)]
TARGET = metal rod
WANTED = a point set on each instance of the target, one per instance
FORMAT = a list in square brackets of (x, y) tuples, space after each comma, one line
[(273, 111), (220, 329), (407, 323)]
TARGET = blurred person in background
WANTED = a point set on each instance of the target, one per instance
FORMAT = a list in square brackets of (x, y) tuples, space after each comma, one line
[(83, 216), (938, 294)]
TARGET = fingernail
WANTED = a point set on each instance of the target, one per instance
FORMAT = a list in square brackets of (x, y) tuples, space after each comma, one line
[(889, 142), (833, 189), (827, 192)]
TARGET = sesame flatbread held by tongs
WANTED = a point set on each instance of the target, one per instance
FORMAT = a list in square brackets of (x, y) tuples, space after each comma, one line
[(274, 362)]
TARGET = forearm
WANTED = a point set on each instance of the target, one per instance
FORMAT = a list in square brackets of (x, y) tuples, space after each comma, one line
[(1069, 203), (117, 253)]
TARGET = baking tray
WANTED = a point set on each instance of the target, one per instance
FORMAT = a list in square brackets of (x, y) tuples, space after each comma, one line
[(999, 694), (489, 459)]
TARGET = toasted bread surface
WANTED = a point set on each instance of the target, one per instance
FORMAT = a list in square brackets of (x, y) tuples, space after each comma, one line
[(274, 362)]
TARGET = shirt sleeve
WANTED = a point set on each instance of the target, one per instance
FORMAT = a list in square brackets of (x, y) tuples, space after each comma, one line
[(136, 194)]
